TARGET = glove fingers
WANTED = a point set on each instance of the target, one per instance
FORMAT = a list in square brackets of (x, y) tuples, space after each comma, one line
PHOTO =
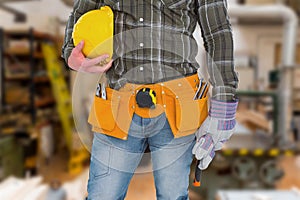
[(204, 148), (222, 135), (203, 128), (204, 163), (201, 153), (219, 145), (198, 143), (195, 147), (227, 134)]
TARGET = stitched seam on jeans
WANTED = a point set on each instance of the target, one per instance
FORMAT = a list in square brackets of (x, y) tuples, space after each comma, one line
[(105, 164), (113, 146), (173, 147)]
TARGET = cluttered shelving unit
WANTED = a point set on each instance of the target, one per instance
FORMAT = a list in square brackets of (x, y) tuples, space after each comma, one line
[(26, 98), (22, 70), (35, 93)]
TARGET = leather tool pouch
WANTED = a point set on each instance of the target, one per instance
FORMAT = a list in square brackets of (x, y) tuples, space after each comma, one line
[(185, 115), (113, 115)]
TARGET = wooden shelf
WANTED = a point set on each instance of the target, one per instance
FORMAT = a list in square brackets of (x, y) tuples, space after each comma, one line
[(24, 67), (22, 52), (41, 79), (25, 33), (17, 77), (26, 77), (44, 102)]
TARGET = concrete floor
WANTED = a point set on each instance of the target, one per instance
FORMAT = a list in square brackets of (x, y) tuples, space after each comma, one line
[(142, 188), (291, 167), (142, 185)]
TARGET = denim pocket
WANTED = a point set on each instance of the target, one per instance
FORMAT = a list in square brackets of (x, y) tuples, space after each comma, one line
[(100, 159)]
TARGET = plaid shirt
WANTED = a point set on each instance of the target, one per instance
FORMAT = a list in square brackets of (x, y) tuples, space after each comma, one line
[(154, 41)]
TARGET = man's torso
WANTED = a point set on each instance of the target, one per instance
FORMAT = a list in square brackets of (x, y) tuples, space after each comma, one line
[(153, 40)]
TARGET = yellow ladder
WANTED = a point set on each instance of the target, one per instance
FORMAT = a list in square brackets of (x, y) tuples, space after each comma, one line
[(78, 154)]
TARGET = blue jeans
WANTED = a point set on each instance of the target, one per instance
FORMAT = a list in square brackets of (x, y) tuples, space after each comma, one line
[(114, 161)]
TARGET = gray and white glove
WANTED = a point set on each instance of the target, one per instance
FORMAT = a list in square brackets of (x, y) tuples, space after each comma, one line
[(215, 130)]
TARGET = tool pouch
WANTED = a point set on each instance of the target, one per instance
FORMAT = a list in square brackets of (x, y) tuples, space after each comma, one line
[(185, 115), (113, 115)]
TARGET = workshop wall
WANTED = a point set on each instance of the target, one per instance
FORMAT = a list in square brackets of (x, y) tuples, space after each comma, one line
[(259, 41), (249, 40), (40, 14)]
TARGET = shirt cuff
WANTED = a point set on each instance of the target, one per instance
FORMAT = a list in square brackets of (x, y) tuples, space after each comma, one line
[(224, 93), (224, 112)]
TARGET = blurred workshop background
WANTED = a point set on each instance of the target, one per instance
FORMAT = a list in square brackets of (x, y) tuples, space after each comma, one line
[(43, 156)]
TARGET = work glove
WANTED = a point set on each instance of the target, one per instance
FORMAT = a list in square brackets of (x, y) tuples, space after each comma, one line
[(215, 131), (77, 61)]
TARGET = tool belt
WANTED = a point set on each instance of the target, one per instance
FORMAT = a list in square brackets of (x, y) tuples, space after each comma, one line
[(112, 116)]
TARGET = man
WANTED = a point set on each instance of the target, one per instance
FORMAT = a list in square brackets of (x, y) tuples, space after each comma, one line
[(146, 62)]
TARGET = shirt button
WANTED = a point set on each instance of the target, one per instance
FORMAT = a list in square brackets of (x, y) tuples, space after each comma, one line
[(141, 19), (163, 92), (141, 44)]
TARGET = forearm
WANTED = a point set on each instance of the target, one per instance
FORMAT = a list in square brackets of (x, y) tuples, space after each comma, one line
[(218, 42)]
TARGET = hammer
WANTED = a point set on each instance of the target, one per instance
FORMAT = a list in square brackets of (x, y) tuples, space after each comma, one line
[(198, 172)]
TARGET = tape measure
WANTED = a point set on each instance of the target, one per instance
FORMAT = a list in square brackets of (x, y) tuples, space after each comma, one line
[(146, 98)]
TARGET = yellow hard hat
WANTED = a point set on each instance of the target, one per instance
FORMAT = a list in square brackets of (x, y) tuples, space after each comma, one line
[(96, 29)]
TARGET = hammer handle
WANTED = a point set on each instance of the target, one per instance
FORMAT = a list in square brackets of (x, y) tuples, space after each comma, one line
[(198, 172)]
